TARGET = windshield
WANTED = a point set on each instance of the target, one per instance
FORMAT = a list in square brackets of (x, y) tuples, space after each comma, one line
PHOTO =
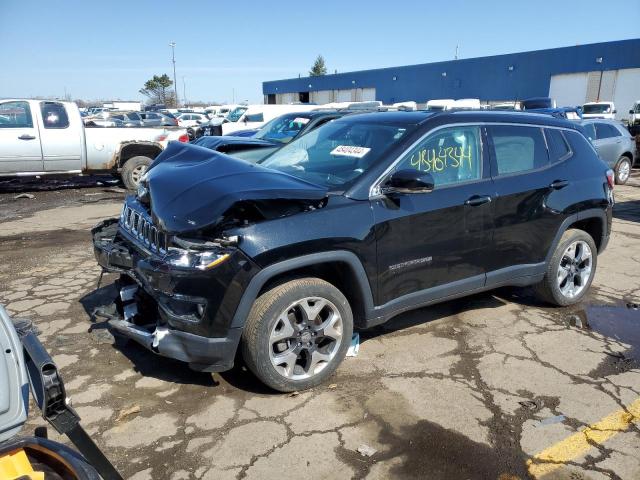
[(336, 153), (236, 113), (283, 129), (597, 108)]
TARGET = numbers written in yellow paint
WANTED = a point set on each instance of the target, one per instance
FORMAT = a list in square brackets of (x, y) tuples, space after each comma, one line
[(438, 160)]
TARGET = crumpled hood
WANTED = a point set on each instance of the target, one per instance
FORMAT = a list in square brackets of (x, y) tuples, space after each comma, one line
[(191, 187), (214, 142)]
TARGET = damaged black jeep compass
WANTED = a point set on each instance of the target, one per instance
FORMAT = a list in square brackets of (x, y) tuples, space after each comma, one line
[(357, 221)]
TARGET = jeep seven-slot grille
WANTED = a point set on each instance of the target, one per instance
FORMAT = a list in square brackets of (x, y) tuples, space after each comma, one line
[(142, 229)]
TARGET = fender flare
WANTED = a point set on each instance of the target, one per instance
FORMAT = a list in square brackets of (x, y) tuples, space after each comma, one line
[(263, 276), (576, 217)]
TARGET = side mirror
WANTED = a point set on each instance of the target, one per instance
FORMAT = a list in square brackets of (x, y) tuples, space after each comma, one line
[(409, 180), (615, 111), (631, 112)]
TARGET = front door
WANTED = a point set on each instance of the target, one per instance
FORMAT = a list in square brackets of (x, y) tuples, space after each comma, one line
[(435, 244), (607, 142), (19, 139)]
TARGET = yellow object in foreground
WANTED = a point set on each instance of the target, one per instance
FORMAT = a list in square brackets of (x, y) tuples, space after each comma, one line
[(17, 465), (579, 443)]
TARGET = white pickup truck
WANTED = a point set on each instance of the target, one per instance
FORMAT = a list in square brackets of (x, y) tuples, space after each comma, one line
[(42, 137)]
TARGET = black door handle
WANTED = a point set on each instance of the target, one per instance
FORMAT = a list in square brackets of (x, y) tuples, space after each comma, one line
[(26, 137), (477, 200), (558, 184)]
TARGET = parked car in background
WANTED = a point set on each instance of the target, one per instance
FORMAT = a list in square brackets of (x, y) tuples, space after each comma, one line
[(191, 119), (128, 119), (48, 137), (347, 226), (271, 136), (599, 110), (99, 122), (614, 144), (537, 103), (255, 116), (158, 119), (439, 104), (634, 118)]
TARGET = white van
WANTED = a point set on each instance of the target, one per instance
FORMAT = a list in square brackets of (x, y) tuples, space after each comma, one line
[(599, 110), (254, 116), (467, 104), (440, 104)]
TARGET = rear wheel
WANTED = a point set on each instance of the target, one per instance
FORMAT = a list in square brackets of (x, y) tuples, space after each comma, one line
[(623, 170), (570, 271), (297, 334), (133, 170)]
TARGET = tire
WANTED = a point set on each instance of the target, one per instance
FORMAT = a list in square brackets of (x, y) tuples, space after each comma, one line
[(623, 170), (552, 289), (191, 133), (283, 349), (133, 169)]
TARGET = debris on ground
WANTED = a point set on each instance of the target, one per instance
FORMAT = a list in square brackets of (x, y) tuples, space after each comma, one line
[(530, 404), (366, 450), (551, 420), (355, 345), (24, 195), (127, 411), (332, 386)]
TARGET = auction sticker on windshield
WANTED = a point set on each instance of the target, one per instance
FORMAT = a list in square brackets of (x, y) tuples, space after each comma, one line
[(350, 151), (301, 120)]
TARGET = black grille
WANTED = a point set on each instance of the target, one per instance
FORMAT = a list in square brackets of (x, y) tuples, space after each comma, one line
[(142, 229)]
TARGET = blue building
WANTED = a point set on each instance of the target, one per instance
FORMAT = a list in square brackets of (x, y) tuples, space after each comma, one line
[(571, 75)]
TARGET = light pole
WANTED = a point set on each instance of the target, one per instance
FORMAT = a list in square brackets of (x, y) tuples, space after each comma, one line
[(173, 59), (184, 92)]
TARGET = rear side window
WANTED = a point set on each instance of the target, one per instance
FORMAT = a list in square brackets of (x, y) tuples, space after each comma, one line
[(604, 130), (558, 148), (15, 115), (133, 116), (518, 148), (54, 115)]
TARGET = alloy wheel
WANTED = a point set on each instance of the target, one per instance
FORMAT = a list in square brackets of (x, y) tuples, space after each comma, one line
[(624, 170), (305, 338), (137, 173), (574, 270)]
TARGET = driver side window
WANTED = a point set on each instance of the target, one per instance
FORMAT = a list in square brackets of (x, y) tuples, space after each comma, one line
[(451, 155)]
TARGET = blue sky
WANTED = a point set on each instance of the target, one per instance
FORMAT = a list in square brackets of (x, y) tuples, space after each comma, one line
[(108, 49)]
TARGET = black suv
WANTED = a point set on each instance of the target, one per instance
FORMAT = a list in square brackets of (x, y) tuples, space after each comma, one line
[(357, 221)]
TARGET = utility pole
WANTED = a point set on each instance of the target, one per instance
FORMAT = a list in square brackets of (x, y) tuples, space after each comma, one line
[(456, 57), (173, 59), (184, 91)]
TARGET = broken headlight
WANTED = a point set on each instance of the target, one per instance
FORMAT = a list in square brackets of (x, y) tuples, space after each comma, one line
[(201, 260)]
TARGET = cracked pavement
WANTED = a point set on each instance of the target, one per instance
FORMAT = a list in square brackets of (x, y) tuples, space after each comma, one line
[(478, 387)]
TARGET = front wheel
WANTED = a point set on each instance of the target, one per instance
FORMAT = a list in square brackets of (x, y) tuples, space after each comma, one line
[(570, 271), (297, 334), (133, 170), (623, 170)]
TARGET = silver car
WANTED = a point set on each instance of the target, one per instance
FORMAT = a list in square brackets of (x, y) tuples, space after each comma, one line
[(614, 144)]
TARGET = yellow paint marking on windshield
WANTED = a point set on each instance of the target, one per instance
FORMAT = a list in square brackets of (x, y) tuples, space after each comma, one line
[(581, 442)]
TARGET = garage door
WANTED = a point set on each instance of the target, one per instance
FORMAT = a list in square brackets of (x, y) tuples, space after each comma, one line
[(321, 97), (343, 96), (569, 89), (368, 94), (627, 91)]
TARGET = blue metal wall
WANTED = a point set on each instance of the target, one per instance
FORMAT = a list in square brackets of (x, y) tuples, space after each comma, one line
[(487, 78)]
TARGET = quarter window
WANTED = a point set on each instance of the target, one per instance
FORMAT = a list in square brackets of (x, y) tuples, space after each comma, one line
[(518, 148), (590, 130), (451, 155), (15, 115), (604, 130), (54, 115), (558, 148)]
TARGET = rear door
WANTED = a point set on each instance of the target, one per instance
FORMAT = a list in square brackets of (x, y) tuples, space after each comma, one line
[(20, 149), (436, 244), (526, 185), (61, 138)]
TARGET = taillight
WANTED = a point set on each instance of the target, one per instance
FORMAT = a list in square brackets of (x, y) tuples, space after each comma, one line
[(611, 178), (175, 121), (184, 138)]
